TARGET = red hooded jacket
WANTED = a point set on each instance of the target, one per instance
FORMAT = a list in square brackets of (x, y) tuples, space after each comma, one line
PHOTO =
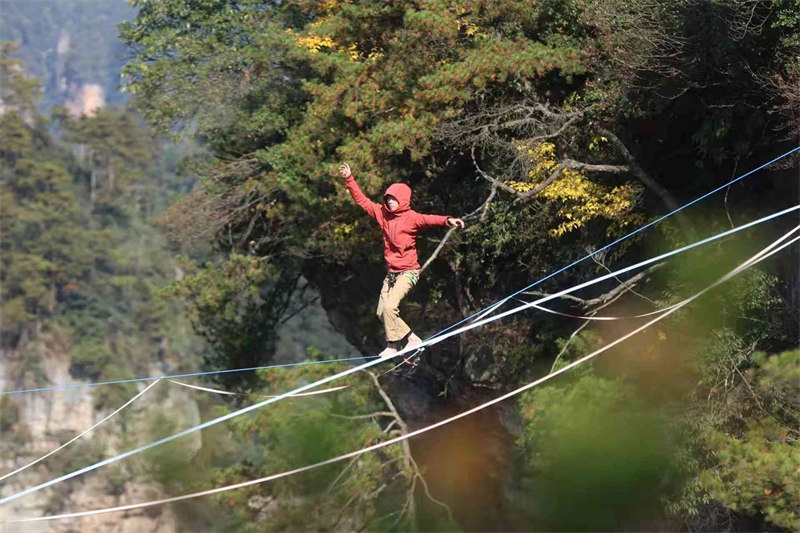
[(399, 226)]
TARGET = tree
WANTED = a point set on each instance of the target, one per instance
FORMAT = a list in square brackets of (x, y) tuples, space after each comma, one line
[(382, 490), (552, 126), (117, 156), (354, 83), (79, 263), (46, 242)]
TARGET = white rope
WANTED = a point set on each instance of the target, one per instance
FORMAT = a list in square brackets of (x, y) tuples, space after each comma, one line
[(766, 252), (42, 458), (218, 391), (599, 318), (359, 368)]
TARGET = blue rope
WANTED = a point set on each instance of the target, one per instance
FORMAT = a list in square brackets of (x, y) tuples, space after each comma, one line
[(495, 305), (193, 374)]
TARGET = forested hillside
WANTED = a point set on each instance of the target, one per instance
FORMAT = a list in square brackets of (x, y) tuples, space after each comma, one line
[(83, 272), (552, 127)]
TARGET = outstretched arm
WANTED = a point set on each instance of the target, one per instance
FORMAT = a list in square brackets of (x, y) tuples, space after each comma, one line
[(432, 221), (371, 208)]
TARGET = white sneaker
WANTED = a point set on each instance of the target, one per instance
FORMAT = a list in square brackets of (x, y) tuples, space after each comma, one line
[(413, 341), (388, 352)]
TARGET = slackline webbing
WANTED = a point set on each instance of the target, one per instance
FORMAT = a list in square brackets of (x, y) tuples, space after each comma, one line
[(765, 253), (359, 368)]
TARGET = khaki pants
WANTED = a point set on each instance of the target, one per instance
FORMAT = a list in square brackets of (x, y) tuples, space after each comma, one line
[(389, 304)]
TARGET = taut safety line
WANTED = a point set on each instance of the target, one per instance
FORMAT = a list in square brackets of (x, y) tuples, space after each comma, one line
[(765, 253), (190, 375)]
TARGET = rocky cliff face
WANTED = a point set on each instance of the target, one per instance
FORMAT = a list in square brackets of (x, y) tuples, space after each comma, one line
[(81, 98), (87, 100), (47, 419)]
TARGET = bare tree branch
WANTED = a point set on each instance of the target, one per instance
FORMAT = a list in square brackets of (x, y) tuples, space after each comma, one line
[(577, 165), (599, 260), (408, 459), (604, 299), (569, 340), (494, 181), (482, 209), (437, 250), (523, 197), (360, 417), (610, 299), (648, 182), (536, 121), (485, 207)]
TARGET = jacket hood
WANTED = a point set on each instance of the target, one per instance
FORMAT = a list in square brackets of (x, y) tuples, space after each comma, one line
[(402, 192)]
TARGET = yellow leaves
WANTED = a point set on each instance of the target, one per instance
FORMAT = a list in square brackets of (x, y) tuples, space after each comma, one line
[(583, 200), (352, 52), (317, 43), (596, 141), (343, 230), (579, 199), (470, 28), (465, 21), (571, 101), (543, 155), (520, 186), (329, 6), (314, 43)]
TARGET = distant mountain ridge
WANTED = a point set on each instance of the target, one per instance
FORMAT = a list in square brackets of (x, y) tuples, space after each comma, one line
[(72, 46)]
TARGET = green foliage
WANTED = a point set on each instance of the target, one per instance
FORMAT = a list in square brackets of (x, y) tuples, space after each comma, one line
[(745, 315), (89, 359), (77, 253), (591, 445), (116, 479), (9, 414), (112, 397), (79, 455), (81, 266), (19, 92), (292, 434), (228, 309), (757, 473), (46, 242), (755, 468), (164, 461), (786, 16), (117, 155)]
